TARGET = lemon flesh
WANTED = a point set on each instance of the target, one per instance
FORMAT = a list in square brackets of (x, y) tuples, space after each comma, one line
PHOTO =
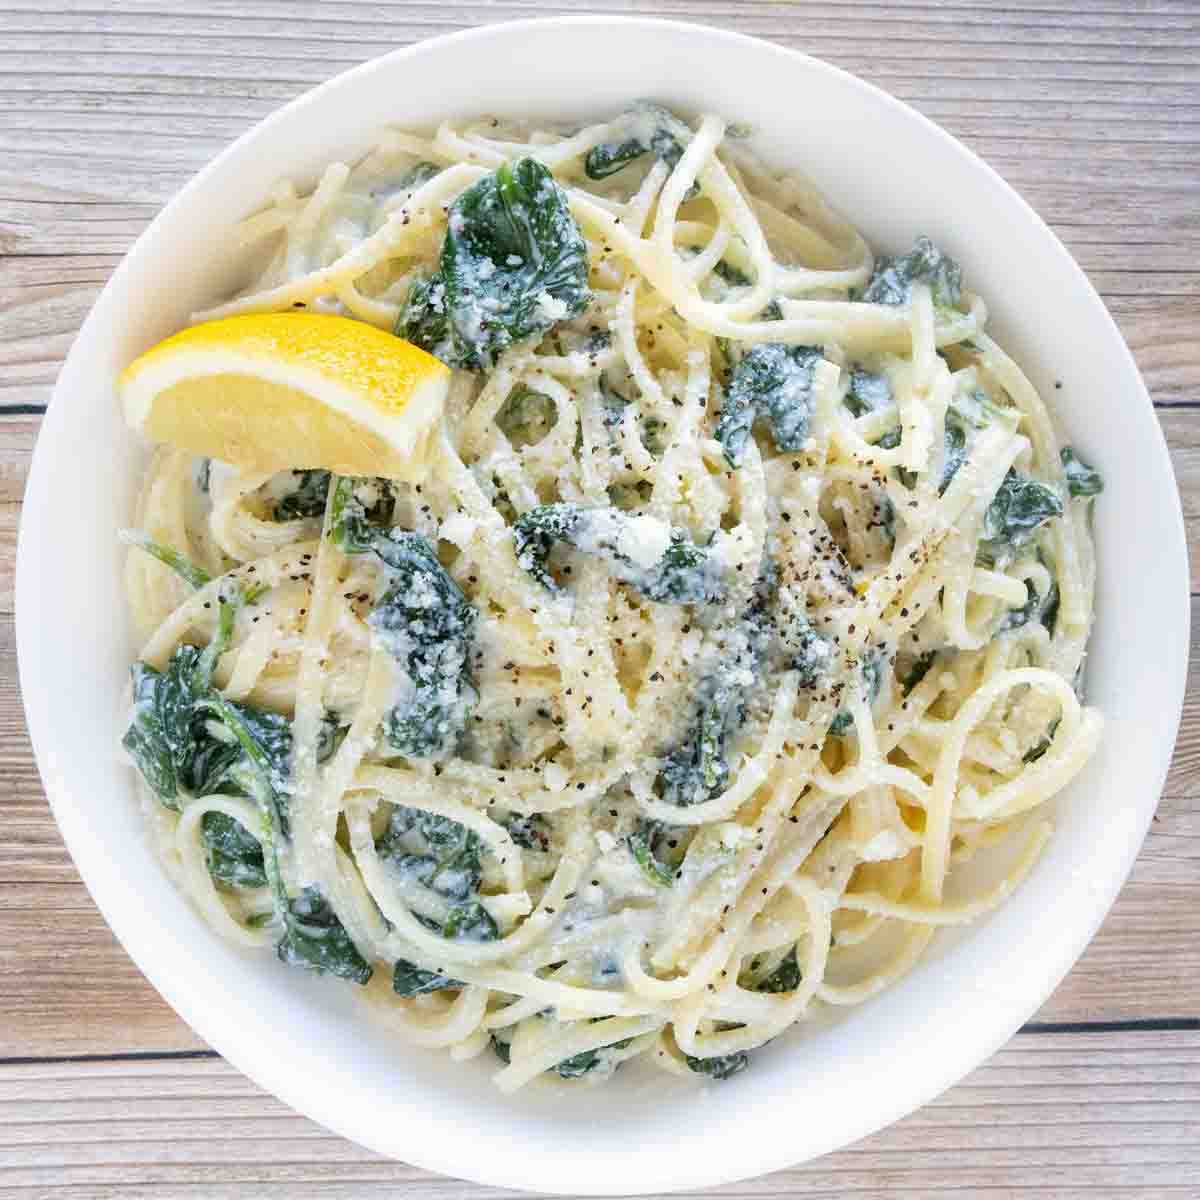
[(271, 392)]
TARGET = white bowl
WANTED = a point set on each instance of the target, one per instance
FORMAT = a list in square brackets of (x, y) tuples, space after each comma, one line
[(309, 1040)]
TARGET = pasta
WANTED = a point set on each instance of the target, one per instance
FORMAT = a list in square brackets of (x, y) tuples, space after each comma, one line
[(743, 597)]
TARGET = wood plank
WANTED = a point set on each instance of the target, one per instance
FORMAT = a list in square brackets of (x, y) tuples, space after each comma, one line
[(1181, 427), (105, 114), (174, 82), (71, 989), (1183, 779), (43, 302), (17, 437), (10, 514), (1082, 1117), (1163, 335)]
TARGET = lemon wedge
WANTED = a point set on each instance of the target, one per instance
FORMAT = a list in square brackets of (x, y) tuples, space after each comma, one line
[(269, 392)]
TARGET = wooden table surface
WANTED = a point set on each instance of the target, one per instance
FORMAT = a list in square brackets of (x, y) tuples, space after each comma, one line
[(1091, 109)]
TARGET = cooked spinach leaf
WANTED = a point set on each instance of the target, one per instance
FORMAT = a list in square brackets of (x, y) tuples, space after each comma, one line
[(187, 737), (235, 856), (448, 839), (968, 412), (766, 973), (350, 527), (784, 978), (168, 737), (1037, 607), (313, 937), (587, 1061), (271, 735), (612, 406), (182, 742), (330, 735), (1035, 752), (654, 435), (531, 832), (976, 409), (442, 854), (265, 738), (697, 767), (578, 1064), (501, 1049), (424, 621), (513, 264), (721, 1067), (652, 130), (642, 843), (612, 413), (261, 770), (536, 532), (191, 574), (731, 275), (316, 940), (307, 499), (812, 654), (470, 922), (361, 511), (684, 573), (774, 383), (160, 738), (1082, 480), (867, 393), (919, 669), (893, 278), (425, 319), (872, 667), (887, 518), (954, 452), (410, 980), (419, 174), (1019, 508)]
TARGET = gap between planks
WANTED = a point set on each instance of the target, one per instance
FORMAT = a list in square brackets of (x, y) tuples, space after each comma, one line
[(1031, 1028)]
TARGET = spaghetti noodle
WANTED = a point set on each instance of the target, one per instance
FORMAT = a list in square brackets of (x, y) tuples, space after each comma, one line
[(752, 595)]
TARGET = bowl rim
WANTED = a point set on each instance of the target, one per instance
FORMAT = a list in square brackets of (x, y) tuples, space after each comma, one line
[(993, 1032)]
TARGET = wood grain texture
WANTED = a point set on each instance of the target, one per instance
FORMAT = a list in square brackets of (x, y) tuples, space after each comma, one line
[(1092, 111), (1094, 115), (1080, 1117)]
